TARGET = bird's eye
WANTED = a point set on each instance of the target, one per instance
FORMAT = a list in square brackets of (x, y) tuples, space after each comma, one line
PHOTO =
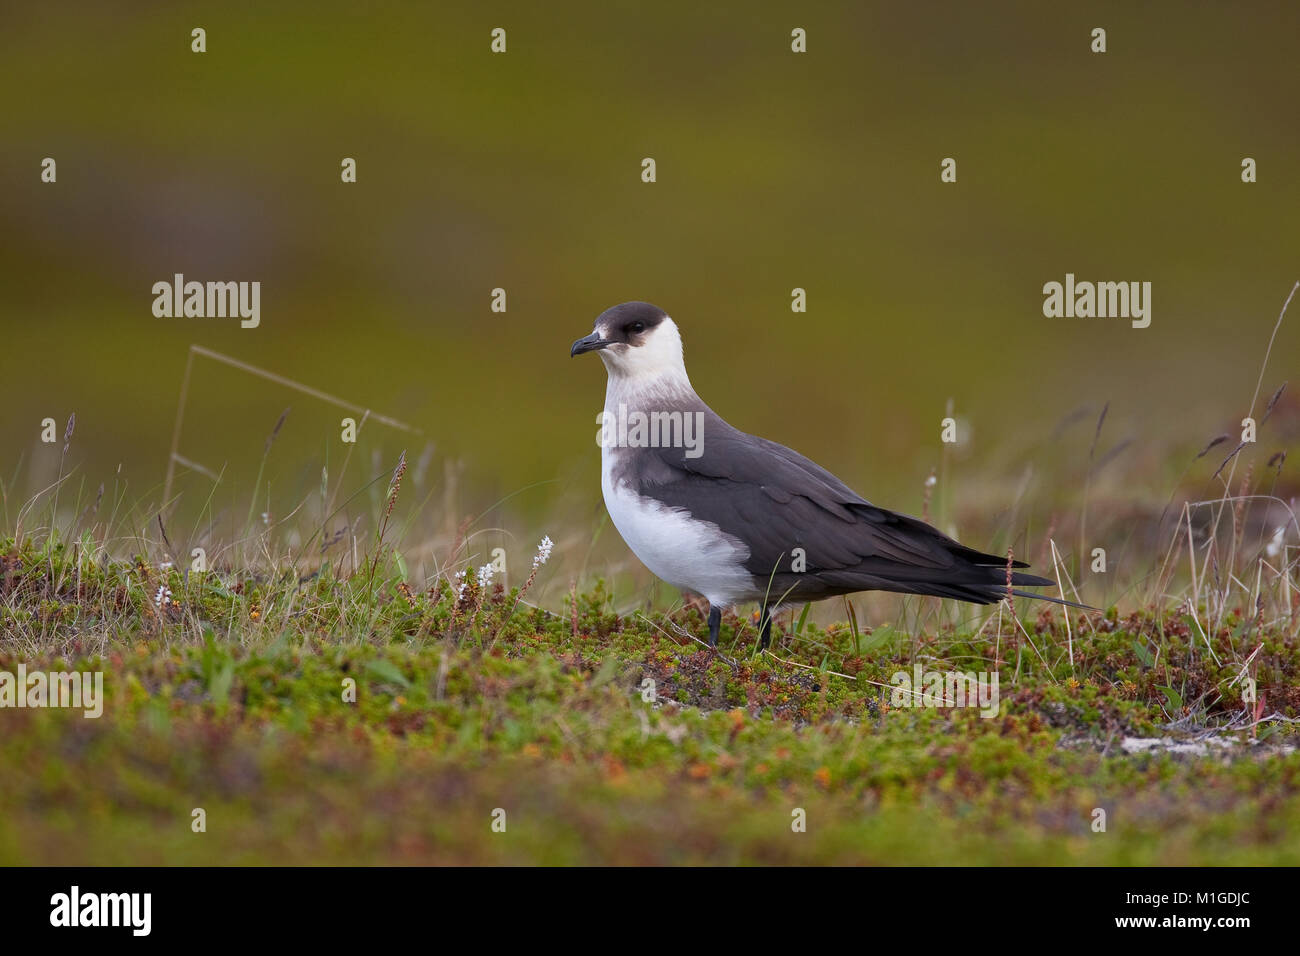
[(636, 328)]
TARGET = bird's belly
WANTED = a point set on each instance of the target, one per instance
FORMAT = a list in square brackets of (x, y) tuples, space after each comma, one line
[(695, 555)]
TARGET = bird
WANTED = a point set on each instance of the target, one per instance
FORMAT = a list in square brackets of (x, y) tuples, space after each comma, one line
[(740, 519)]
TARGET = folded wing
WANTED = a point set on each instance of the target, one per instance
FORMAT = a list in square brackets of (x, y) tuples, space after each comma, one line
[(809, 534)]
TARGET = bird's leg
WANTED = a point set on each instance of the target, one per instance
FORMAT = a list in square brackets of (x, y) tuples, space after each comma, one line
[(715, 622), (765, 634)]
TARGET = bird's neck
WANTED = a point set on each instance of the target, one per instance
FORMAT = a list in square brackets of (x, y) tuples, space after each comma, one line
[(671, 388)]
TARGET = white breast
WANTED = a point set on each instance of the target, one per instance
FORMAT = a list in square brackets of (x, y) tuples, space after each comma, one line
[(695, 555)]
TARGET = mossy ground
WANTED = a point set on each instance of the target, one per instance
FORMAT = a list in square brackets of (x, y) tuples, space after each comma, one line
[(230, 697)]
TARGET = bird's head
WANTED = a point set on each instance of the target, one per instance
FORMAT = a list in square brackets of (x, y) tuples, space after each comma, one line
[(636, 340)]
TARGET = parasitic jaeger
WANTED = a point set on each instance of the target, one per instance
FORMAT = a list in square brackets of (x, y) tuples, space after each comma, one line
[(740, 519)]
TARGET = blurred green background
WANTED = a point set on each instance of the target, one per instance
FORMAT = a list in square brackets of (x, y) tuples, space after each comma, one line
[(522, 171)]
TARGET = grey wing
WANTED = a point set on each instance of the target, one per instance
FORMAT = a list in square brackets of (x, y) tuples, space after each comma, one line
[(809, 534)]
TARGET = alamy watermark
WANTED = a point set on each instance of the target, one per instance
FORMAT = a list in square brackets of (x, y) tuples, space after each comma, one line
[(208, 300), (922, 688), (133, 911), (76, 689), (1100, 300), (660, 429)]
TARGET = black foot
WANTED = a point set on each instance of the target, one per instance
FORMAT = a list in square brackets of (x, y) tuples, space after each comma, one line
[(715, 622), (765, 633)]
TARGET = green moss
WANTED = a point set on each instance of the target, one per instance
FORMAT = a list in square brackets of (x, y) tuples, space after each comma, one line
[(328, 721)]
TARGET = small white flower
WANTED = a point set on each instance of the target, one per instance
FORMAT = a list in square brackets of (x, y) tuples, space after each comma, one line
[(163, 596), (931, 481), (461, 585), (543, 552), (485, 575)]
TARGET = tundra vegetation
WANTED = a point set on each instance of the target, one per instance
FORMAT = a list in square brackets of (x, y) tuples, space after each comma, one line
[(302, 694)]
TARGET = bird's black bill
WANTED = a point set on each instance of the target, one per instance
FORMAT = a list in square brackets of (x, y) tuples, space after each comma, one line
[(588, 343)]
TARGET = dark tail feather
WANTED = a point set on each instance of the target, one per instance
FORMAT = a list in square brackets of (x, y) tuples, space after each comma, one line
[(905, 562), (997, 593), (975, 593), (982, 591), (1053, 600)]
